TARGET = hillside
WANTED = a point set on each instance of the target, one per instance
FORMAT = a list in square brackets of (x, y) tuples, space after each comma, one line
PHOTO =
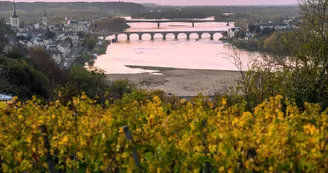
[(57, 11), (126, 6)]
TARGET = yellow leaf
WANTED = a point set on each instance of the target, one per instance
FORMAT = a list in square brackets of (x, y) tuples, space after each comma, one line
[(224, 101), (64, 140), (5, 168), (309, 129), (221, 169)]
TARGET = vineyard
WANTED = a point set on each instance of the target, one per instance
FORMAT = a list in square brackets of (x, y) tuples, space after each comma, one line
[(135, 135)]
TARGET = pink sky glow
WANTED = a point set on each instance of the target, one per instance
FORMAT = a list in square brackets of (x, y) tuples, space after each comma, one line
[(188, 2)]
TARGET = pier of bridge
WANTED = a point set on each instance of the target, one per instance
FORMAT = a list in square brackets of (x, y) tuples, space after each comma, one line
[(175, 33)]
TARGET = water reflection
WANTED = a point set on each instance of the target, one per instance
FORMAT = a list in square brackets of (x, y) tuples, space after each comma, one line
[(181, 53)]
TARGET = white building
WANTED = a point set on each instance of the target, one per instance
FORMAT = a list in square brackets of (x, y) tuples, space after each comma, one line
[(4, 98), (281, 27), (76, 26), (14, 19), (232, 31), (44, 19)]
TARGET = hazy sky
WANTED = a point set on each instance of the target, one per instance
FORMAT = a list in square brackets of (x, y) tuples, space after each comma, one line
[(196, 2)]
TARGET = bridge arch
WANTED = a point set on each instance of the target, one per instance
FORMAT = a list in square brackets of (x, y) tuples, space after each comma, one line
[(170, 35), (120, 36), (133, 36), (158, 35), (218, 35), (194, 35), (185, 35), (146, 36), (206, 35)]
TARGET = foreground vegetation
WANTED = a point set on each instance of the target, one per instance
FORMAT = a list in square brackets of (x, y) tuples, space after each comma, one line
[(140, 133), (274, 120)]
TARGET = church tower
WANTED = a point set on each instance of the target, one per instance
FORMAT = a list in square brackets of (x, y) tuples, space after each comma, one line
[(14, 20), (44, 18)]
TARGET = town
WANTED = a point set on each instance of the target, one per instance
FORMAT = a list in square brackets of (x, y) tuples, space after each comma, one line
[(63, 41)]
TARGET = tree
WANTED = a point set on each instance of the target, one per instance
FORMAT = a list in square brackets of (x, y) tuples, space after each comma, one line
[(242, 34), (5, 33), (242, 23), (111, 24), (3, 77), (23, 80), (236, 34), (91, 43), (273, 44), (298, 64), (309, 46), (93, 84), (44, 63)]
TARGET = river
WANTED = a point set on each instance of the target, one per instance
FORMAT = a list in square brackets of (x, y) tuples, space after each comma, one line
[(181, 53)]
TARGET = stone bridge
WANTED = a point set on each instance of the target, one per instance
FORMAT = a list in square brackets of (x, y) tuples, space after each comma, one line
[(192, 21), (175, 33)]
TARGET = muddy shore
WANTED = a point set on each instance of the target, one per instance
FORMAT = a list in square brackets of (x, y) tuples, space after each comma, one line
[(181, 82)]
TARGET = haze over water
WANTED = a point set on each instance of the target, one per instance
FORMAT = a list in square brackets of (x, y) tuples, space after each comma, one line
[(181, 53)]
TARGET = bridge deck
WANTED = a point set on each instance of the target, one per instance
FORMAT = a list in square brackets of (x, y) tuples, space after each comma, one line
[(169, 32), (167, 21)]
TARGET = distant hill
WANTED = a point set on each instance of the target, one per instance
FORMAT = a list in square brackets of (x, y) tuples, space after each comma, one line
[(58, 11), (151, 5), (119, 6)]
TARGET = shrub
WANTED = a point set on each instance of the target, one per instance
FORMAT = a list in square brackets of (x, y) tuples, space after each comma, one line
[(197, 136)]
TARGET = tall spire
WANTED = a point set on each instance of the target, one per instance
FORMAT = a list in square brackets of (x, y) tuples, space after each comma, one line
[(44, 13), (14, 11)]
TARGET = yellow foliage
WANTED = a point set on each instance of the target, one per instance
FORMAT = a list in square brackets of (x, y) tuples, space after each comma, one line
[(184, 138)]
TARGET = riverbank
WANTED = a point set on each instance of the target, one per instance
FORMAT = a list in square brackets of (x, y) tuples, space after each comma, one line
[(88, 56), (181, 82)]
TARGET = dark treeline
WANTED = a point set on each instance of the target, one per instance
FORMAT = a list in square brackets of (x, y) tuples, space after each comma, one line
[(111, 24), (171, 14), (258, 13), (56, 12), (236, 12), (6, 5)]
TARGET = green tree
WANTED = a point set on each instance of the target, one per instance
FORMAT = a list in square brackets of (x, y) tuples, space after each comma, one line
[(91, 43), (111, 24), (5, 32), (93, 84), (44, 63), (299, 66), (23, 79), (309, 47)]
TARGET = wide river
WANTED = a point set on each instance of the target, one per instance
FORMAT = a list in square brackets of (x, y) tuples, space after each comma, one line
[(181, 53)]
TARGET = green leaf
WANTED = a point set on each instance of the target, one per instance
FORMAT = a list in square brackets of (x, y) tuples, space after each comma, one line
[(149, 156)]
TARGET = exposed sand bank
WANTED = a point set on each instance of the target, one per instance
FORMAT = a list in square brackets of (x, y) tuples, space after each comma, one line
[(181, 82)]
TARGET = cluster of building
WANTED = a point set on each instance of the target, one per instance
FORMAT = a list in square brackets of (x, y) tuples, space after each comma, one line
[(62, 41), (266, 26), (287, 24)]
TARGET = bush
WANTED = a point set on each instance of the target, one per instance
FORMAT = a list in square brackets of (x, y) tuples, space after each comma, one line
[(120, 87), (23, 80), (199, 135)]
